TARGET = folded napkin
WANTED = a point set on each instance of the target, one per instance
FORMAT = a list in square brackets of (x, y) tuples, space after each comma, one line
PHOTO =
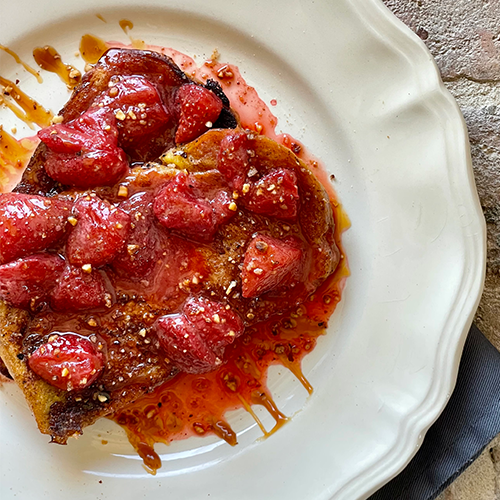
[(468, 423)]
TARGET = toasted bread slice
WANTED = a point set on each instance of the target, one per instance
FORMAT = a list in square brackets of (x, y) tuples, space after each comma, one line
[(135, 362)]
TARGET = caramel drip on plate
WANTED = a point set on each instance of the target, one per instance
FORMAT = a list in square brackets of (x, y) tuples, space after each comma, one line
[(50, 60), (263, 399), (101, 18), (296, 369), (223, 430), (92, 48), (23, 106), (126, 26), (18, 60)]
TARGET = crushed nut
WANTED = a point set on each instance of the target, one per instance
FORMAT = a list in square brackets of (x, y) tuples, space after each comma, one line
[(87, 268), (120, 115), (123, 191)]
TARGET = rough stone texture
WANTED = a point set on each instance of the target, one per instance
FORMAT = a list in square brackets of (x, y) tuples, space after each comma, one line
[(464, 38)]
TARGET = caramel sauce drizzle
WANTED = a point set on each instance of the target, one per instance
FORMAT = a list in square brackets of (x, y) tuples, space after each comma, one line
[(126, 26), (101, 18), (23, 106), (50, 60), (18, 60), (92, 48)]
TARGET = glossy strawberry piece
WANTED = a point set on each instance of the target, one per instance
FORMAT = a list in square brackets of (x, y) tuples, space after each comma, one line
[(217, 325), (99, 234), (270, 263), (195, 339), (84, 152), (232, 160), (184, 345), (30, 223), (141, 249), (67, 361), (142, 110), (199, 108), (79, 290), (28, 281), (182, 206), (276, 194)]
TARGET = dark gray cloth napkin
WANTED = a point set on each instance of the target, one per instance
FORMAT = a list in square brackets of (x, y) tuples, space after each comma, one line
[(469, 422)]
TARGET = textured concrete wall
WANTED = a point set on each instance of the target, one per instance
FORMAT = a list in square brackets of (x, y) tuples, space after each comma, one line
[(464, 38)]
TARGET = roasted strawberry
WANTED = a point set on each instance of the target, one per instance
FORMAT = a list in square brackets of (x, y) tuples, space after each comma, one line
[(138, 107), (99, 234), (184, 346), (217, 325), (276, 194), (181, 205), (232, 160), (270, 263), (195, 339), (30, 223), (67, 361), (141, 249), (80, 289), (28, 281), (84, 152), (198, 108)]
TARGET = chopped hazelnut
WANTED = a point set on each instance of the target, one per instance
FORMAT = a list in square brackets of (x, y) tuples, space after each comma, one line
[(120, 115), (123, 191)]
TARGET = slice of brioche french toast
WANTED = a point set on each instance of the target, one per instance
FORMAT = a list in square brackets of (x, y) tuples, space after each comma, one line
[(134, 270)]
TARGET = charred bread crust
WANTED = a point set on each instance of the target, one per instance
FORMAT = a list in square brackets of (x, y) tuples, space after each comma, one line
[(58, 413)]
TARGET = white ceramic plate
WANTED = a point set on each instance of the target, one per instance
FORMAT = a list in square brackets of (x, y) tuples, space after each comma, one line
[(364, 95)]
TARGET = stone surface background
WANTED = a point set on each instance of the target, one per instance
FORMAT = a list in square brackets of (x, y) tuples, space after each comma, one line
[(464, 38)]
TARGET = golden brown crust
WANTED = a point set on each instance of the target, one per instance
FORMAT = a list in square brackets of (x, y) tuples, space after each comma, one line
[(58, 413)]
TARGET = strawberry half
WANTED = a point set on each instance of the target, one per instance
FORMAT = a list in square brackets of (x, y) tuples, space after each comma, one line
[(84, 152), (194, 340), (276, 194), (142, 110), (67, 361), (28, 281), (30, 223), (183, 205), (184, 345), (99, 234), (232, 160), (217, 325), (141, 249), (269, 264), (198, 108), (78, 290)]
